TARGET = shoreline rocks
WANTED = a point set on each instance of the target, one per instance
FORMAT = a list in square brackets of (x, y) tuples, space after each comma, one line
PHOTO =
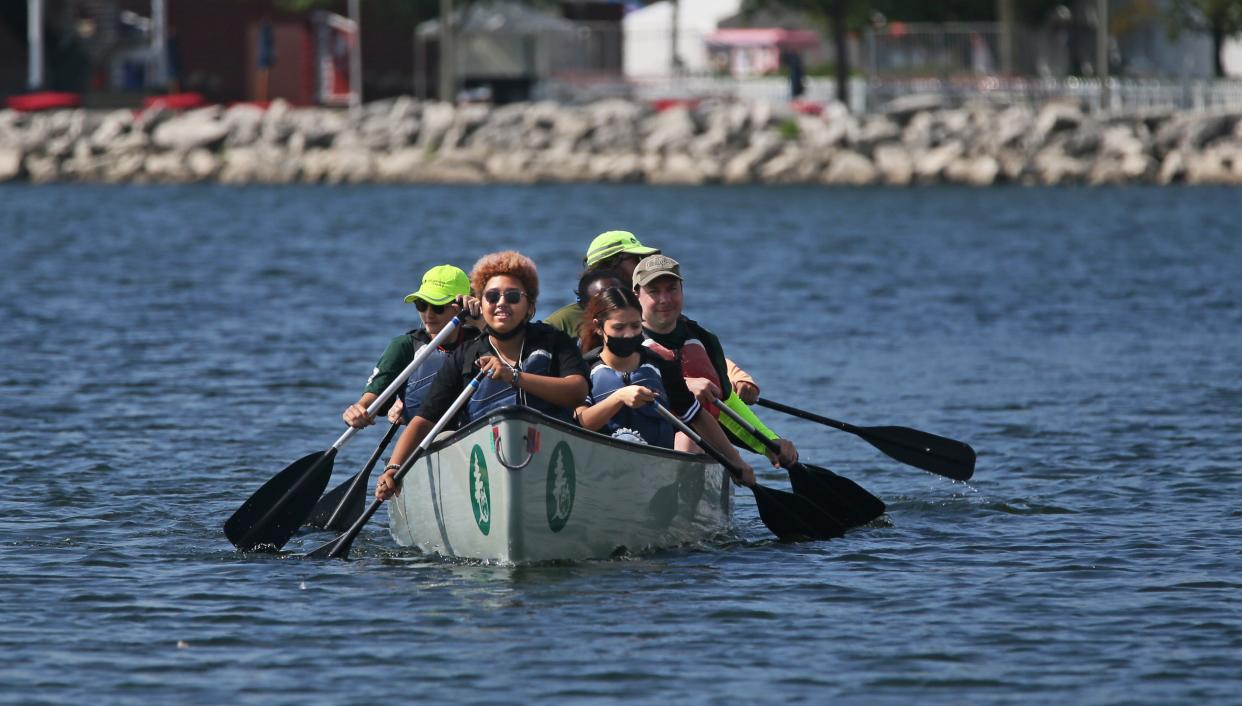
[(918, 140)]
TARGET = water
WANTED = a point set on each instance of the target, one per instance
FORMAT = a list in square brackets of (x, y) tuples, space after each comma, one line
[(168, 349)]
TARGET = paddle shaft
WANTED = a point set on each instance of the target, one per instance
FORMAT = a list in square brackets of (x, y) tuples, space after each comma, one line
[(360, 480), (846, 501), (785, 514), (273, 515), (398, 381), (339, 547), (769, 444), (843, 426), (698, 439), (938, 454)]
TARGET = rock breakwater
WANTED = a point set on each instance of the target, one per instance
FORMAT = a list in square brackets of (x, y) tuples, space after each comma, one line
[(916, 140)]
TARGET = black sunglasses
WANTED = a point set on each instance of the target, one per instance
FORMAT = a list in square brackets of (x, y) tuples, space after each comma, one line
[(512, 296), (437, 308)]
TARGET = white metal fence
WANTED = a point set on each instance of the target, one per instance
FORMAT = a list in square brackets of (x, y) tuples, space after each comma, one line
[(869, 95)]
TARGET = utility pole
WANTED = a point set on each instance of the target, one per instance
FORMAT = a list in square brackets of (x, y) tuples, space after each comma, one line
[(355, 60), (159, 49), (674, 36), (1101, 50), (34, 33), (448, 77), (1005, 15)]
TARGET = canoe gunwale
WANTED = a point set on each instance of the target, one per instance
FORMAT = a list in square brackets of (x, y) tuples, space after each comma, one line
[(537, 418)]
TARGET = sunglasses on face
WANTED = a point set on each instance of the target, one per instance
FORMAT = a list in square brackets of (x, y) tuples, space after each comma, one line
[(512, 296), (437, 308)]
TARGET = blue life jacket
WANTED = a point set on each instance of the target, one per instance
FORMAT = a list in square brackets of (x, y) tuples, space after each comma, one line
[(645, 420), (495, 394), (416, 386)]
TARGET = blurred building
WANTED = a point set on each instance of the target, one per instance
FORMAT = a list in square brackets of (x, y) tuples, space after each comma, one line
[(666, 37), (503, 50)]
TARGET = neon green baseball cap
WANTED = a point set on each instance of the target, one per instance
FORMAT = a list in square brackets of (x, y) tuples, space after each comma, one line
[(614, 242), (441, 285)]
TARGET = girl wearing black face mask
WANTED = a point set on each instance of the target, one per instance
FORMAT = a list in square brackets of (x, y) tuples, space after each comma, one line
[(625, 380)]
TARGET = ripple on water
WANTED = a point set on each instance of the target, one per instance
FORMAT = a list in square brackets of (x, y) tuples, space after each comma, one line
[(165, 355)]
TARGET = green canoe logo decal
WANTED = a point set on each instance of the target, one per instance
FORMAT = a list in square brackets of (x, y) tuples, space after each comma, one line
[(560, 495), (480, 491)]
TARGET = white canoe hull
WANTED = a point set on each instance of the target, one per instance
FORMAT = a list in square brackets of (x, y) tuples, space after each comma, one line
[(518, 486)]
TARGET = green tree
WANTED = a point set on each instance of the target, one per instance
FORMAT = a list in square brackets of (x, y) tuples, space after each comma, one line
[(1219, 18)]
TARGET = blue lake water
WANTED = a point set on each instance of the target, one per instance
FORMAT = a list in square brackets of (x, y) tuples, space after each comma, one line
[(166, 350)]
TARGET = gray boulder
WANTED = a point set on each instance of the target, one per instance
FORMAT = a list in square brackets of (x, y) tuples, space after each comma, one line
[(397, 165), (1172, 168), (41, 169), (1054, 168), (929, 166), (437, 120), (973, 171), (895, 164), (849, 168), (1056, 118), (875, 130), (669, 131), (167, 168), (191, 131), (677, 169), (791, 166), (616, 167), (906, 107), (10, 163), (743, 167)]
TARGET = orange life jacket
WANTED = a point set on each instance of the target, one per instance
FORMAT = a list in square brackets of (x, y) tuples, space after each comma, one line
[(694, 361)]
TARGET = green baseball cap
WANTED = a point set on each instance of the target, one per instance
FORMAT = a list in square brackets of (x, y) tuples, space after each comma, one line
[(441, 285), (613, 242)]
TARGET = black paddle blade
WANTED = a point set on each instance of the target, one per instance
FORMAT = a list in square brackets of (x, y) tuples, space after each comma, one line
[(846, 501), (789, 516), (339, 547), (350, 497), (937, 454), (275, 511), (340, 508)]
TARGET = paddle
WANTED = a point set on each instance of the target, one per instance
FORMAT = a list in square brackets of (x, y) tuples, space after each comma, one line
[(338, 509), (937, 454), (788, 516), (339, 547), (849, 503), (275, 511)]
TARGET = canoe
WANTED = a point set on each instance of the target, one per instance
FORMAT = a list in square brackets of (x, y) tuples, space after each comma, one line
[(519, 486)]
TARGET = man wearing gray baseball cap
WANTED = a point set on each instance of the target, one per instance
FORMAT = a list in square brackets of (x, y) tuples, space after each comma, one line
[(671, 335)]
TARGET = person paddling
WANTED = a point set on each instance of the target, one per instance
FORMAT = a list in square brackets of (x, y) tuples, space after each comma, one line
[(619, 251), (674, 337), (435, 301), (591, 282), (626, 379), (527, 362), (614, 251)]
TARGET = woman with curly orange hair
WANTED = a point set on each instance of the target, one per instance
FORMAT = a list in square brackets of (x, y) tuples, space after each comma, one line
[(528, 363)]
